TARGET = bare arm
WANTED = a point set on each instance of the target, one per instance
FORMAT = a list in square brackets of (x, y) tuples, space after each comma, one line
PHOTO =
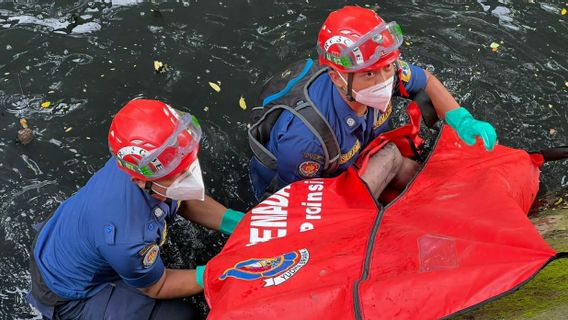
[(208, 213), (442, 99), (174, 284)]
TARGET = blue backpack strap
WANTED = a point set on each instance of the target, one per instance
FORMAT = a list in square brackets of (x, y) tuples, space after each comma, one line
[(290, 85)]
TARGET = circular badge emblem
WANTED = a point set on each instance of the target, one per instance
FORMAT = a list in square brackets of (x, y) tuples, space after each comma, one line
[(308, 169), (350, 122), (151, 256)]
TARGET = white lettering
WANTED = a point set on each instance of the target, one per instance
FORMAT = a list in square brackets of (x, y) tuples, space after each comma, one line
[(268, 219), (306, 226)]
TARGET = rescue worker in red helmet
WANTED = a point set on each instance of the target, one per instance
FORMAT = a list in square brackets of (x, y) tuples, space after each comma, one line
[(353, 98), (98, 255)]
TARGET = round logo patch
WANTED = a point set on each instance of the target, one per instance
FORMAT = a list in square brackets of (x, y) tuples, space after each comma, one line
[(151, 256), (308, 169)]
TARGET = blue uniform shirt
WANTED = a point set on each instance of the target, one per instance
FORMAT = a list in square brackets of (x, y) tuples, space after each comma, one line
[(109, 229), (299, 153)]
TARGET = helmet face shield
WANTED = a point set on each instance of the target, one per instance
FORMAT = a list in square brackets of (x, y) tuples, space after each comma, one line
[(381, 41), (161, 161)]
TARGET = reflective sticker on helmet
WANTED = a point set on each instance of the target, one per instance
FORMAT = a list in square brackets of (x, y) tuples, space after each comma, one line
[(346, 42), (139, 152), (308, 169)]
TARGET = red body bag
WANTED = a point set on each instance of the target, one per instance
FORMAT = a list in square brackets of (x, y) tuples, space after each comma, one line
[(325, 249)]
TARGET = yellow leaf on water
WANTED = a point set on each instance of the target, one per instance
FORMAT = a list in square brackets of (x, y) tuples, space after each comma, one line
[(494, 45), (566, 83), (215, 86), (242, 103), (68, 129), (46, 104), (158, 65), (563, 12), (24, 123)]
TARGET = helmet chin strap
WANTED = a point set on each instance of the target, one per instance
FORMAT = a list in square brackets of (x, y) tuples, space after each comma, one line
[(348, 94), (148, 188)]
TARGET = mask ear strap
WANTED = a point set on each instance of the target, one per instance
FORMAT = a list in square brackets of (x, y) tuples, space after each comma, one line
[(348, 95)]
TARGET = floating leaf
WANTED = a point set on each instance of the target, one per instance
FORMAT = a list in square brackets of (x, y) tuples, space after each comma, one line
[(68, 129), (552, 131), (566, 83), (24, 123), (215, 86), (205, 108), (559, 201), (494, 45), (242, 103), (158, 65), (46, 104), (563, 12)]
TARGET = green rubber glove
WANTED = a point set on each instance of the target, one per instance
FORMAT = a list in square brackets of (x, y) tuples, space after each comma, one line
[(231, 219), (468, 128), (199, 271)]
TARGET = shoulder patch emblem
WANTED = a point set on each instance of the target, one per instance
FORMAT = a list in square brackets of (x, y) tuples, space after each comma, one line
[(308, 169), (150, 255), (405, 71), (345, 157)]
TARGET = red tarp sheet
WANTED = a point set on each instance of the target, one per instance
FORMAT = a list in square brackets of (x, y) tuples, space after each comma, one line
[(324, 249)]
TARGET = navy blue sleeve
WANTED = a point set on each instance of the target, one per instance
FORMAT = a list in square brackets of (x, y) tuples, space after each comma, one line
[(139, 265), (412, 77), (300, 155)]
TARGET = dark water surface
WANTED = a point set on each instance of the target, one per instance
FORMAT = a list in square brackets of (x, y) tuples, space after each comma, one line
[(89, 58)]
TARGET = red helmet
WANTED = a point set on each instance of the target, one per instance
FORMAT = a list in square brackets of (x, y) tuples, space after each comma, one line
[(151, 140), (355, 39)]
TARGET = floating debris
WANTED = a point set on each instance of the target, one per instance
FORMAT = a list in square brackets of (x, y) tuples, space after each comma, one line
[(564, 11), (566, 84), (159, 66), (552, 132), (46, 104), (68, 129), (494, 46), (242, 103), (205, 108), (25, 135), (215, 86)]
